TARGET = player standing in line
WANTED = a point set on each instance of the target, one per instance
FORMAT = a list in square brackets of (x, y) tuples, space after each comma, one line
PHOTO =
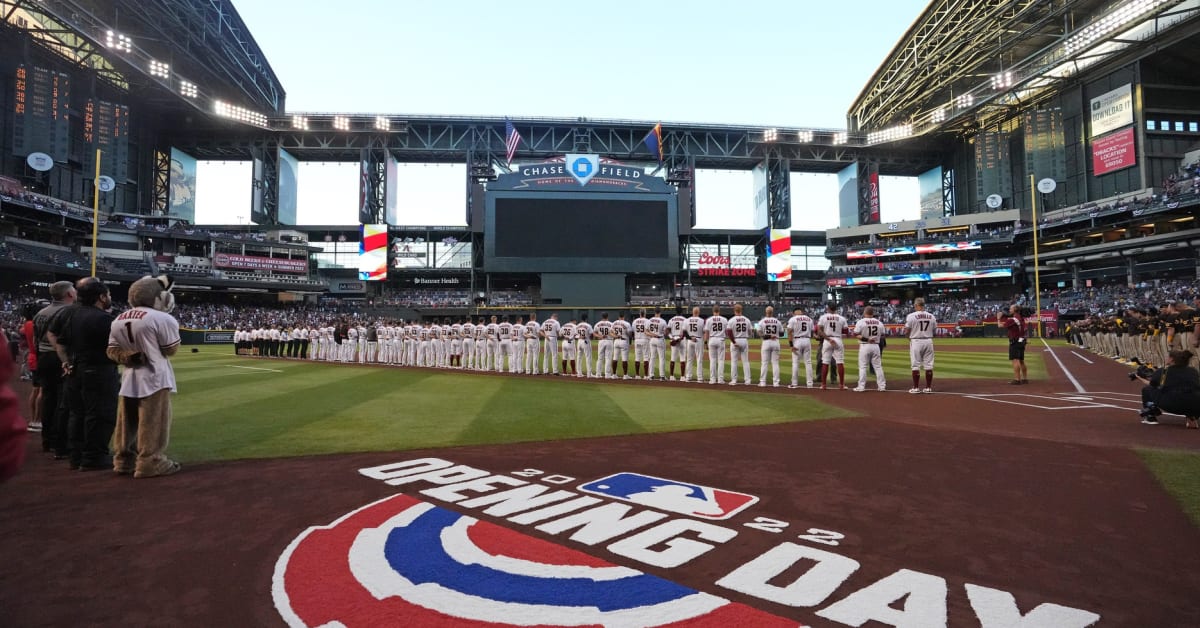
[(831, 326), (550, 330), (372, 337), (769, 329), (620, 333), (694, 343), (656, 330), (679, 344), (869, 331), (800, 329), (447, 340), (518, 346), (456, 345), (641, 346), (583, 347), (504, 333), (314, 341), (920, 326), (533, 331), (492, 331), (481, 344), (741, 326), (604, 350), (350, 345), (567, 333), (714, 338), (468, 344), (362, 344), (434, 357)]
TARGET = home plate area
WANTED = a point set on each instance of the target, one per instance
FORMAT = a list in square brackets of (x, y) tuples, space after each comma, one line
[(1044, 402)]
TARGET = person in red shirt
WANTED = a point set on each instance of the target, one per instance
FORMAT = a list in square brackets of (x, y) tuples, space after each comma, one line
[(12, 426), (35, 391), (1014, 323)]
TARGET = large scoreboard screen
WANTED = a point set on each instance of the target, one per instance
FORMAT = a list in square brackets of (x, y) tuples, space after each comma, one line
[(40, 103), (106, 127), (562, 232)]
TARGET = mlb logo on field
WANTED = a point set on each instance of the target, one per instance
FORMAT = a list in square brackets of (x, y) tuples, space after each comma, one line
[(583, 167), (693, 500)]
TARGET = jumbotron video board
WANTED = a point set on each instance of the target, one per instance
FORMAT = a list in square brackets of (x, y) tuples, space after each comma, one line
[(580, 214)]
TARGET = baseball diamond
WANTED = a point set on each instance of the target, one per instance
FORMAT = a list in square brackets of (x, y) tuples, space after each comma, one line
[(930, 359)]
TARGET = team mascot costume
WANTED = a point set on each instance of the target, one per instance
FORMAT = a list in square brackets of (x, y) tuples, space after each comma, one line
[(141, 340)]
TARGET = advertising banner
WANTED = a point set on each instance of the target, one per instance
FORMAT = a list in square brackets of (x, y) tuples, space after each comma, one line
[(432, 281), (709, 265), (255, 262), (1113, 152), (289, 170), (372, 253), (761, 197), (918, 277), (1112, 110), (347, 286), (779, 255), (182, 203)]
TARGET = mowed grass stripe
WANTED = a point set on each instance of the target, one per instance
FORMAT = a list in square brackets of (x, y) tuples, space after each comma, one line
[(535, 410), (659, 409), (1177, 472)]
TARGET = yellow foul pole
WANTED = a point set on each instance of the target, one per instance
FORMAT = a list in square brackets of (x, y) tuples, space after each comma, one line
[(1037, 276), (95, 210)]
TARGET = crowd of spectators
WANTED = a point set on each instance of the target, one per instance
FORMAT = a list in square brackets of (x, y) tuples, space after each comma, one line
[(422, 298), (509, 298), (46, 203)]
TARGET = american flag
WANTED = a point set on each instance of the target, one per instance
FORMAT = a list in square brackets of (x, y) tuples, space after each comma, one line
[(512, 139)]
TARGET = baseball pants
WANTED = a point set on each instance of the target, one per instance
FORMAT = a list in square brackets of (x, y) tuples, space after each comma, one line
[(658, 357), (741, 353), (868, 357), (583, 357), (550, 356), (532, 353), (802, 352), (770, 358), (695, 359), (604, 359), (716, 361)]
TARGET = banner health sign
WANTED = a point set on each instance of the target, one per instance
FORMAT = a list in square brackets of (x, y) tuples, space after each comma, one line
[(779, 255), (372, 253)]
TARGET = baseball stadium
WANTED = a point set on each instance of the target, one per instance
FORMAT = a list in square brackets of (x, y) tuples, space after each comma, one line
[(242, 333)]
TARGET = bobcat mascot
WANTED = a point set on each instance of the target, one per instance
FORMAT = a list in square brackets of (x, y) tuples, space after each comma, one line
[(141, 340)]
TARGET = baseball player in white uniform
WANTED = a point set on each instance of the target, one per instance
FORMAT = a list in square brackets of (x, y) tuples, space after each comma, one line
[(620, 333), (425, 347), (605, 362), (741, 346), (351, 344), (678, 343), (505, 332), (533, 346), (641, 346), (919, 326), (831, 326), (481, 344), (492, 332), (361, 347), (468, 344), (550, 330), (583, 347), (800, 330), (656, 331), (518, 345), (869, 331), (456, 349), (769, 329), (714, 338), (567, 334), (694, 365)]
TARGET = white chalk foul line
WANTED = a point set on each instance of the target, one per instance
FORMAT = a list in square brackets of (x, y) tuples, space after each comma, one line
[(1078, 387), (1082, 358), (255, 368)]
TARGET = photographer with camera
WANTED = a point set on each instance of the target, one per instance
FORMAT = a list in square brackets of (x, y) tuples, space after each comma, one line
[(1014, 322), (1175, 389)]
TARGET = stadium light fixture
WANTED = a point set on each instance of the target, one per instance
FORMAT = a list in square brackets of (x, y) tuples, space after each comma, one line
[(964, 101), (159, 69), (118, 42), (804, 136), (839, 138), (890, 135), (1184, 219), (187, 89), (300, 123), (341, 123), (382, 123), (770, 135), (1003, 80), (939, 115), (1128, 12), (241, 114)]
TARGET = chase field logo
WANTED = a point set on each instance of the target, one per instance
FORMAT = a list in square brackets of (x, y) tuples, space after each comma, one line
[(583, 167), (693, 500), (404, 562)]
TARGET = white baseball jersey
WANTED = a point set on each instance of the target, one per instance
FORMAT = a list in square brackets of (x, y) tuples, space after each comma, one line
[(550, 327), (505, 331), (531, 330), (620, 330), (149, 332), (656, 327), (675, 326), (694, 327), (468, 330), (583, 331), (715, 325), (869, 329), (741, 326), (481, 331), (920, 324), (770, 328), (604, 329), (800, 326), (832, 325), (492, 331), (567, 331), (456, 331), (639, 328)]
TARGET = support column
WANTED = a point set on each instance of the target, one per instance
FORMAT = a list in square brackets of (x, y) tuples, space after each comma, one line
[(373, 182)]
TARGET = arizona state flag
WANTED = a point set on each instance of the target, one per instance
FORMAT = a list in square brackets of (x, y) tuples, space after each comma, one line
[(653, 141)]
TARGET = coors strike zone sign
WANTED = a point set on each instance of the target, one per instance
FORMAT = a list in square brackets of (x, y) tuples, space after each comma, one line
[(720, 266)]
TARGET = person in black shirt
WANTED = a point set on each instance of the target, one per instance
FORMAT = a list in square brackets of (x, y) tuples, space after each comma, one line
[(94, 382), (49, 374), (1175, 389)]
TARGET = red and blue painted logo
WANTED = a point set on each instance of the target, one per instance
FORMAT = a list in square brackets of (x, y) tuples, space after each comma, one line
[(404, 562), (685, 498)]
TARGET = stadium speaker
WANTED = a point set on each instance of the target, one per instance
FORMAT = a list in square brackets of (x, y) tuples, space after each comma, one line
[(687, 214)]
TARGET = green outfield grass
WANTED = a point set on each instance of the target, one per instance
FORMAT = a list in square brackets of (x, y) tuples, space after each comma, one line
[(1177, 472), (230, 408)]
